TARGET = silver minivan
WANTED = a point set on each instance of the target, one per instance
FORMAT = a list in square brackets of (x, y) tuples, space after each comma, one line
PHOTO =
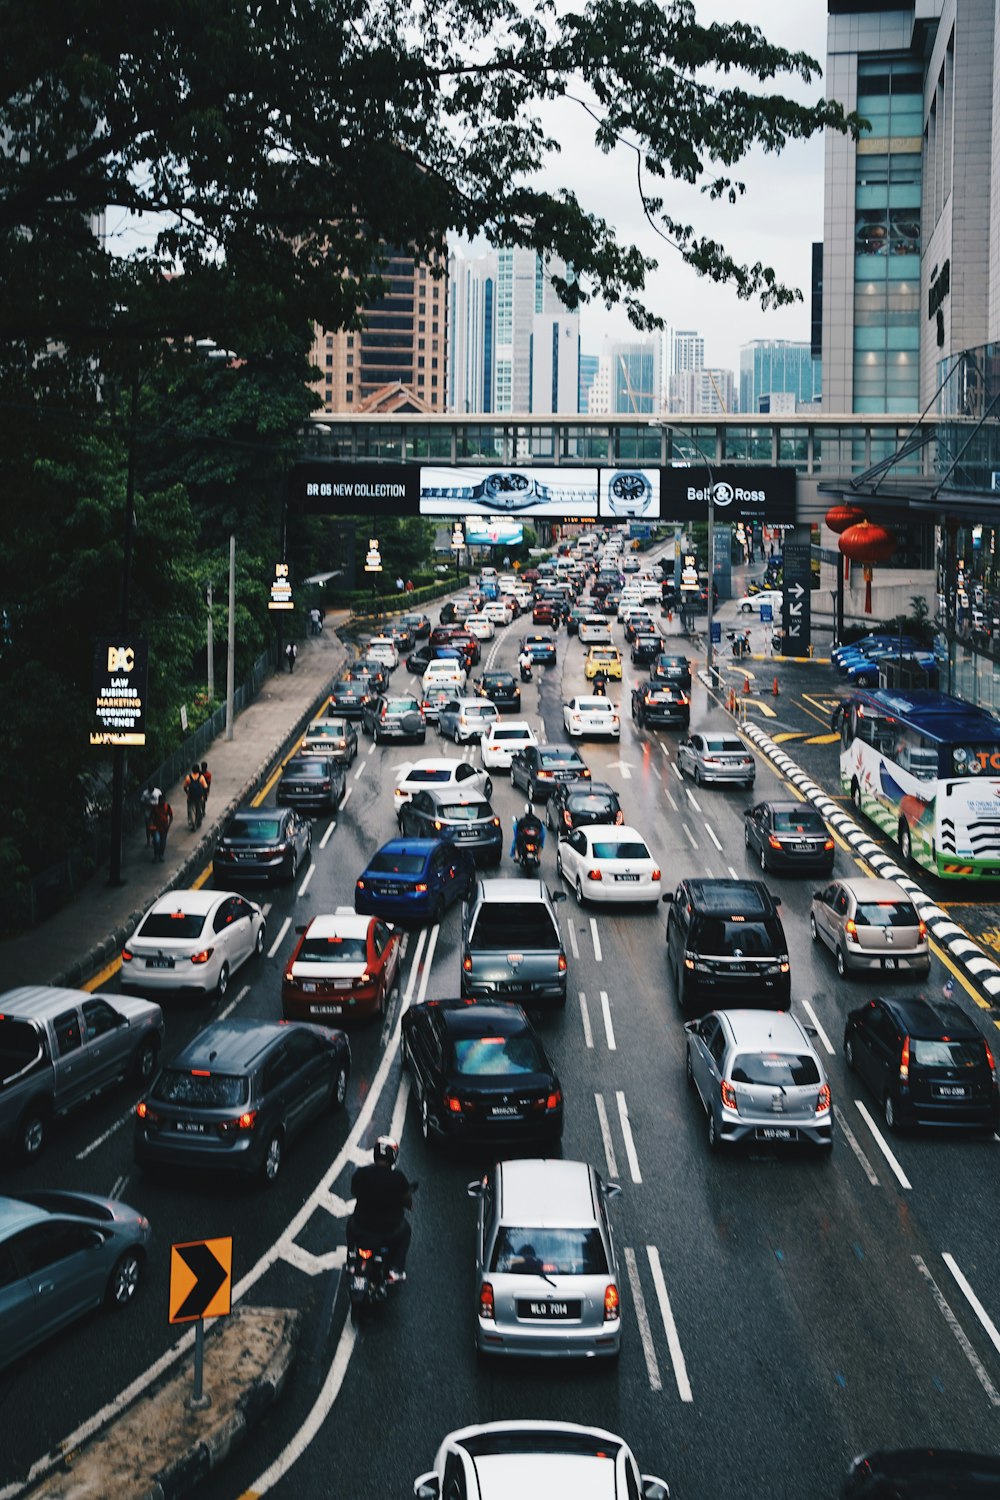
[(870, 924), (546, 1269)]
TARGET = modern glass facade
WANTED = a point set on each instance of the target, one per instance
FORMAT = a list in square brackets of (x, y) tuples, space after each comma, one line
[(772, 366), (634, 378)]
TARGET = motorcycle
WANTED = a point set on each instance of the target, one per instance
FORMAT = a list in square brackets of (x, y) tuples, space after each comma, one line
[(367, 1267), (528, 854), (525, 669)]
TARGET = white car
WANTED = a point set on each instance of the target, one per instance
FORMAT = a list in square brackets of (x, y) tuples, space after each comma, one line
[(651, 590), (503, 740), (440, 773), (750, 603), (608, 862), (445, 671), (383, 648), (588, 715), (628, 604), (481, 626), (465, 719), (536, 1461), (500, 611), (595, 631), (193, 940)]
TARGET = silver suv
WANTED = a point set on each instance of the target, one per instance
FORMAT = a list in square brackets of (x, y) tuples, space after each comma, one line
[(546, 1269), (870, 924), (760, 1079), (512, 948)]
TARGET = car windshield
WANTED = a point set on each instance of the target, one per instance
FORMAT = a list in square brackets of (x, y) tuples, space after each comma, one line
[(203, 1089), (726, 745), (610, 850), (531, 1251), (886, 914), (255, 831), (503, 925), (402, 706), (735, 937), (775, 1069), (438, 773), (589, 803), (333, 950), (327, 729), (498, 1056), (510, 734), (555, 756), (798, 822), (396, 864), (346, 689), (465, 812), (944, 1054), (315, 768), (173, 924)]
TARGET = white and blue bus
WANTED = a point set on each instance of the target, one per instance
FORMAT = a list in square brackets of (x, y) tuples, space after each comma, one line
[(926, 768)]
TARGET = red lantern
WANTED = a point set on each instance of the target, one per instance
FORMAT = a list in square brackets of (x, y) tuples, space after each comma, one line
[(839, 517), (866, 543)]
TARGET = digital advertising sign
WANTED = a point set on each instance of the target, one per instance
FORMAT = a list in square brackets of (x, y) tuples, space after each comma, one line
[(119, 685), (530, 491)]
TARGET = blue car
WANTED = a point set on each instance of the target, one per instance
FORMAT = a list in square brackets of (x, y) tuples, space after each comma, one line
[(414, 880), (863, 671), (869, 644), (542, 649)]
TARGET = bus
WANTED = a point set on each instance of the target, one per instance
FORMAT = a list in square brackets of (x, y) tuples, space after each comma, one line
[(926, 768)]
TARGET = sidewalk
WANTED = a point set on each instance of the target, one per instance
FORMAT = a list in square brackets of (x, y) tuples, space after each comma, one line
[(75, 943)]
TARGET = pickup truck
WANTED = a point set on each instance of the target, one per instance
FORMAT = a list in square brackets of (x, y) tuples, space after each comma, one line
[(59, 1047), (512, 948)]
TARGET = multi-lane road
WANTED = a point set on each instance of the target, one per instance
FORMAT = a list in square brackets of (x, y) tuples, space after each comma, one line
[(780, 1313)]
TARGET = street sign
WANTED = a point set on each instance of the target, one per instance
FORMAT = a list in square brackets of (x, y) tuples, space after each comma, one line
[(766, 614), (119, 686), (716, 633), (201, 1280), (796, 596), (373, 557)]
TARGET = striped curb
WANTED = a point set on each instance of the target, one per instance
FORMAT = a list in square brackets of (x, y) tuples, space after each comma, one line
[(982, 972)]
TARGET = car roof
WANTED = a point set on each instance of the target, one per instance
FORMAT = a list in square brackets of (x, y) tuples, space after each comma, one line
[(876, 890), (512, 890), (423, 847), (585, 789), (462, 1019), (428, 763), (34, 1001), (230, 1046), (769, 1029), (749, 897), (244, 815), (16, 1215), (546, 1191), (925, 1017), (453, 794), (338, 924), (200, 902), (618, 832)]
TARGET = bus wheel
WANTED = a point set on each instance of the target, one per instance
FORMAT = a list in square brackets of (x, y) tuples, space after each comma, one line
[(856, 793), (903, 839)]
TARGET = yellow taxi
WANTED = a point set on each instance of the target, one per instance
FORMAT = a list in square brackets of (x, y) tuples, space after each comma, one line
[(606, 659)]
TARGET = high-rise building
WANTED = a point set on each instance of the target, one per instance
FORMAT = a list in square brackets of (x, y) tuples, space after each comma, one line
[(634, 375), (494, 300), (472, 329), (687, 350), (555, 363), (770, 366), (589, 364), (524, 288), (703, 392)]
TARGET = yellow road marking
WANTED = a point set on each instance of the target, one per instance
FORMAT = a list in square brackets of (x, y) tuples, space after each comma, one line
[(822, 739), (789, 734), (768, 713), (102, 977)]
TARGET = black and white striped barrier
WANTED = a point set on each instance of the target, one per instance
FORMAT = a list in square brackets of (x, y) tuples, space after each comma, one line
[(969, 957)]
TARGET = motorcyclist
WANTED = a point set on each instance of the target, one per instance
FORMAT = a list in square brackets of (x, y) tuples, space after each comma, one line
[(382, 1193), (528, 828), (524, 662), (600, 684)]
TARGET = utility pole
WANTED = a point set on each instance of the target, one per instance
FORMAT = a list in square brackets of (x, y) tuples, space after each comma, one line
[(211, 647), (118, 752), (231, 655)]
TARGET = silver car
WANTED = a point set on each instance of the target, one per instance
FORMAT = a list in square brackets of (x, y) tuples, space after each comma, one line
[(546, 1269), (335, 737), (465, 719), (537, 1461), (870, 924), (716, 756), (760, 1079)]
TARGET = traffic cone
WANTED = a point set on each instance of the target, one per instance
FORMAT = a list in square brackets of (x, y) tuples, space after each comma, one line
[(775, 689), (746, 685)]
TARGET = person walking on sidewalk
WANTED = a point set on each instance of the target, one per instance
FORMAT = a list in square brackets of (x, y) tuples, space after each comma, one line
[(161, 815), (206, 777), (194, 790), (146, 797), (291, 652)]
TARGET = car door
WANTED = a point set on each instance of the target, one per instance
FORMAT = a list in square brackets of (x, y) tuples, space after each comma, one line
[(310, 1078), (448, 716), (386, 946), (63, 1262), (518, 767), (231, 933), (839, 911), (756, 833), (822, 910), (106, 1042), (706, 1052), (574, 854), (882, 1050), (279, 1106), (417, 816), (68, 1061), (685, 752), (18, 1331)]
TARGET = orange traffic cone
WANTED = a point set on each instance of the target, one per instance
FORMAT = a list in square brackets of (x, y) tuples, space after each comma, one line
[(776, 690), (746, 685)]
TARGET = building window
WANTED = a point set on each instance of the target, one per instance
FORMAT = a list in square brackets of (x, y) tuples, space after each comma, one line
[(420, 361), (350, 378), (434, 328), (349, 397), (421, 343), (434, 364), (329, 341), (350, 360), (329, 378), (421, 326), (329, 361), (422, 308), (434, 380)]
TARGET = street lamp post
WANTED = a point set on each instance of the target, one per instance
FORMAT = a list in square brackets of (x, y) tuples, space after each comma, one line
[(710, 648)]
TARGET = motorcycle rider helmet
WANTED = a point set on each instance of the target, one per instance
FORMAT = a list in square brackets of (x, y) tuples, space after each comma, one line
[(386, 1150), (529, 811)]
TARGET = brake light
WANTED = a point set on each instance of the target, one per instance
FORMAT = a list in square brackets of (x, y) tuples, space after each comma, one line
[(496, 822), (437, 823), (420, 887), (467, 964), (486, 1309), (453, 1103), (828, 844), (783, 966), (619, 816), (562, 963), (546, 775), (774, 843), (904, 1061), (823, 1099), (245, 1121), (554, 1100), (364, 1254), (989, 1059), (728, 1094), (851, 929), (922, 930), (142, 1110), (567, 819), (610, 1302), (126, 959), (594, 875), (364, 978), (655, 874)]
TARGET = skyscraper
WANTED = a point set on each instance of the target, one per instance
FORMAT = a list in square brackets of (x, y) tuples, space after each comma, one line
[(770, 366), (687, 350), (703, 392), (472, 328), (589, 364), (555, 363)]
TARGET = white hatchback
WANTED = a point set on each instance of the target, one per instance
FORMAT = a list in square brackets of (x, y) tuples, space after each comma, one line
[(438, 773), (608, 862), (444, 672), (382, 648), (193, 940), (481, 626), (500, 611), (595, 631), (591, 716), (502, 741)]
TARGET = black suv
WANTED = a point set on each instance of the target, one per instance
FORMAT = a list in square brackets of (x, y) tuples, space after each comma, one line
[(661, 703), (726, 945), (575, 803), (924, 1061), (237, 1093)]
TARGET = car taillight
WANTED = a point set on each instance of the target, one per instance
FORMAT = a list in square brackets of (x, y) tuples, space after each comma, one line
[(554, 1100), (567, 819), (611, 1302), (144, 1112), (245, 1121), (437, 824), (904, 1061), (585, 773), (486, 1309), (823, 1099), (420, 887), (546, 775), (364, 978), (594, 875), (359, 885), (774, 843), (126, 956), (562, 963), (711, 760), (728, 1094), (453, 1103), (202, 957), (655, 874), (467, 964), (851, 929), (989, 1059), (921, 928), (365, 1254), (496, 822), (619, 816)]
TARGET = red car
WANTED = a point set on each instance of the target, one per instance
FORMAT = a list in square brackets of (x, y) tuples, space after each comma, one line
[(343, 969), (544, 613)]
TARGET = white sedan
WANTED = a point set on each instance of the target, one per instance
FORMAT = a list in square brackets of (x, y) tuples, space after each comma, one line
[(608, 862), (481, 626), (500, 611), (591, 716), (441, 774), (383, 648), (529, 1459), (750, 603), (503, 740), (193, 940), (444, 672), (595, 630)]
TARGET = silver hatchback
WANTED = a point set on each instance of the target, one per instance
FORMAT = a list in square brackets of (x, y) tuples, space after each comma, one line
[(546, 1268), (870, 924), (716, 756), (760, 1079)]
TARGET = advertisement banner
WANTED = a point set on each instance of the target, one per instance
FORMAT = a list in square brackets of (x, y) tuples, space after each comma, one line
[(529, 491), (333, 488), (739, 492), (630, 493), (493, 531), (119, 686)]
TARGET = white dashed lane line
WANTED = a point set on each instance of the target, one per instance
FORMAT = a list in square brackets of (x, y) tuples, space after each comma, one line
[(973, 1301), (609, 1149), (883, 1146), (814, 1018), (626, 1124), (282, 930), (598, 955), (305, 880), (328, 835), (588, 1035), (642, 1318), (608, 1028), (711, 833)]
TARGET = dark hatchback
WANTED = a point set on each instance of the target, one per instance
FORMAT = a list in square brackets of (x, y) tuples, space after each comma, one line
[(541, 648), (237, 1094), (924, 1061), (311, 783), (645, 648), (262, 844), (673, 669), (418, 660), (501, 688), (376, 671), (419, 626), (480, 1075), (414, 880), (539, 769), (788, 836), (401, 636), (576, 804), (726, 945), (349, 697), (661, 704), (397, 718), (465, 818)]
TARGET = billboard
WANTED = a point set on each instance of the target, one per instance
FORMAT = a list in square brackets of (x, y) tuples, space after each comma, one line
[(530, 491), (739, 492), (632, 494), (119, 688), (493, 531)]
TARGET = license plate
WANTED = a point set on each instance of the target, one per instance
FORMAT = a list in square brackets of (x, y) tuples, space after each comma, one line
[(325, 1010), (190, 1127), (357, 1283), (626, 877), (950, 1091), (467, 833), (776, 1133), (159, 963), (548, 1311), (504, 1111), (888, 963)]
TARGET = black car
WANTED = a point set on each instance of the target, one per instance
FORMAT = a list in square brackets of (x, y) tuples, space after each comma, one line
[(417, 661), (922, 1474), (376, 671), (400, 717), (348, 697), (236, 1095), (576, 803), (788, 836), (465, 817), (661, 703), (501, 688), (640, 622), (673, 669), (311, 783), (262, 843), (539, 769), (418, 625), (726, 945), (646, 648), (924, 1061), (401, 636), (577, 613), (480, 1074), (448, 614)]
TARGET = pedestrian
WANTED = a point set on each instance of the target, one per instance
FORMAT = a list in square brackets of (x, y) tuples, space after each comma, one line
[(206, 777), (291, 652), (770, 549), (161, 815), (409, 585), (399, 584), (146, 797), (315, 621)]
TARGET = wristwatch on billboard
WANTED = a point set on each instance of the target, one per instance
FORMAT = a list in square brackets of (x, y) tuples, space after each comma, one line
[(506, 490), (629, 493)]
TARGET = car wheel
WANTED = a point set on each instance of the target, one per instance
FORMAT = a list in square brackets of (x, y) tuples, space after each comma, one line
[(889, 1113), (293, 866), (339, 1091), (488, 788), (222, 983), (32, 1132), (841, 963), (763, 858), (713, 1132), (425, 1121), (746, 609), (849, 1053), (746, 835), (697, 775), (376, 737), (813, 929), (144, 1062), (688, 1070), (904, 840), (123, 1283), (579, 892), (270, 1166), (856, 794), (438, 916)]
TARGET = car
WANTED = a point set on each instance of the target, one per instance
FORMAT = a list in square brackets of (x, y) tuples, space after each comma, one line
[(442, 773), (348, 698), (924, 1061), (400, 717), (606, 659), (594, 630), (542, 649), (446, 672), (788, 835), (501, 611), (922, 1474), (466, 719), (608, 862), (343, 967), (377, 673), (193, 940), (481, 626), (63, 1255), (465, 817), (419, 625), (547, 1279), (418, 661), (468, 645), (640, 622), (512, 947), (311, 783), (535, 1460), (750, 604), (591, 716), (500, 688), (864, 671), (660, 704), (725, 940), (545, 612), (480, 1076), (715, 756), (262, 843), (760, 1079), (578, 613), (645, 647), (873, 640), (503, 740), (870, 924), (237, 1094), (382, 648), (448, 613), (574, 804), (433, 702), (335, 737), (538, 769), (666, 667), (401, 636), (414, 880)]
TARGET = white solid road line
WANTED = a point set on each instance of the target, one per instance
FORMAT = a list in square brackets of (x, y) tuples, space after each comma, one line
[(852, 1141), (118, 1186), (711, 833), (608, 1028), (572, 939), (669, 1326), (227, 1010), (282, 930), (609, 1150), (306, 879), (588, 1035), (328, 835), (961, 1336), (977, 1307), (883, 1146), (642, 1318), (317, 1416), (630, 1151), (814, 1018), (597, 941)]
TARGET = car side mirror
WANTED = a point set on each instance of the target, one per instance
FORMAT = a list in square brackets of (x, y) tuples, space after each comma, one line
[(817, 895), (652, 1488), (667, 897), (427, 1487), (475, 1189), (774, 898), (557, 895), (611, 1189)]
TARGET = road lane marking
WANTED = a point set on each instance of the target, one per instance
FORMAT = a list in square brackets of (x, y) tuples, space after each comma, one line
[(630, 1151), (306, 879), (572, 939), (282, 930), (609, 1149), (883, 1146), (732, 872), (105, 1134), (977, 1307), (597, 941), (266, 908), (608, 1028), (961, 1336), (690, 835), (328, 835), (360, 771), (588, 1035), (855, 1145), (677, 772), (814, 1018), (344, 798), (414, 966), (371, 751), (670, 799), (227, 1010), (670, 1327), (118, 1186), (711, 833), (693, 799), (642, 1318)]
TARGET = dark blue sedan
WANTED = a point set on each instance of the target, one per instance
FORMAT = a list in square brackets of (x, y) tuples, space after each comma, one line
[(414, 880)]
